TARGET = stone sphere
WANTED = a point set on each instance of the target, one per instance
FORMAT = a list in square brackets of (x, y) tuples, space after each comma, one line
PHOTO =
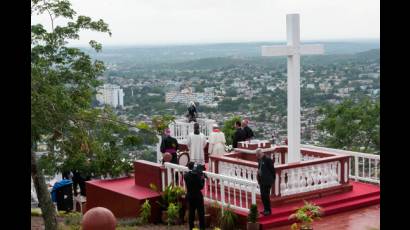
[(99, 218), (167, 157)]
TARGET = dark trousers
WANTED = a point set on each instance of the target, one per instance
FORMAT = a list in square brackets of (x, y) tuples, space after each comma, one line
[(265, 194), (196, 203), (174, 160)]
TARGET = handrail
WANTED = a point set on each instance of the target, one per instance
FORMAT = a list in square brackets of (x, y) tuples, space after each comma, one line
[(219, 188)]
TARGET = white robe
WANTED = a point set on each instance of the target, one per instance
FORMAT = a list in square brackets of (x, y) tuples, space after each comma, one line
[(216, 143), (196, 145)]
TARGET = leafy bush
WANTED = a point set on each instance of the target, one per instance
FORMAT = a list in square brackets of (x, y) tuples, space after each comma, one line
[(229, 129), (173, 213), (253, 213), (228, 219), (73, 218), (145, 212), (171, 194), (305, 215)]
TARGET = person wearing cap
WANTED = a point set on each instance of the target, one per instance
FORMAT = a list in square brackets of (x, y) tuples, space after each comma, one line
[(216, 141), (169, 145), (248, 131)]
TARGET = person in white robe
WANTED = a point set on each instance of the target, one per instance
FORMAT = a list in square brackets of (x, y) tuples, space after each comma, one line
[(196, 143), (216, 141)]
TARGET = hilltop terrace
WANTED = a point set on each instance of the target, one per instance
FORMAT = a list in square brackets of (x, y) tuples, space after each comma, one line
[(336, 180)]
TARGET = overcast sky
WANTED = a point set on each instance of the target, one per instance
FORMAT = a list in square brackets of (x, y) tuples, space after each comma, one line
[(208, 21)]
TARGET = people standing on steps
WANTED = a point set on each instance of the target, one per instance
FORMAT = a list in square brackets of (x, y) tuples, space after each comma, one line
[(265, 177)]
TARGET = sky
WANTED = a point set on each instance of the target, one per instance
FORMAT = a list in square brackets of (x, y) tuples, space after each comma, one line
[(150, 22)]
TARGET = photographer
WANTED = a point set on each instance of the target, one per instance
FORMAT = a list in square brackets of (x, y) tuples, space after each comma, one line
[(194, 181)]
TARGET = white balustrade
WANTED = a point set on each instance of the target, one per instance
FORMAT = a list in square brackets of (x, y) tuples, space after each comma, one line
[(181, 129), (364, 166), (219, 188), (309, 178)]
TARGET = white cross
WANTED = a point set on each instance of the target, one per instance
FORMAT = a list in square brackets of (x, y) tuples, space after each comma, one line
[(293, 50)]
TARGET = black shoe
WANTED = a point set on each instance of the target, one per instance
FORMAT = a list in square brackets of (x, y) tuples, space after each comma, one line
[(261, 213), (267, 213)]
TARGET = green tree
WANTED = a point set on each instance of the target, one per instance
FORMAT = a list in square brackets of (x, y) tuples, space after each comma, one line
[(63, 83), (229, 128), (352, 125)]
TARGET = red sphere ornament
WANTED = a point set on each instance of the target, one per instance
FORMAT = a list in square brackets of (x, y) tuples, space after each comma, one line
[(167, 157), (99, 218)]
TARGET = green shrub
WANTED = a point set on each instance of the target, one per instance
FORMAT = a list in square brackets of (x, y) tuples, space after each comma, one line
[(253, 213), (145, 212), (173, 213), (73, 218), (228, 219)]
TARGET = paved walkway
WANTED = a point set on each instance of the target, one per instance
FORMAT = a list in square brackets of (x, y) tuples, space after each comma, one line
[(367, 218)]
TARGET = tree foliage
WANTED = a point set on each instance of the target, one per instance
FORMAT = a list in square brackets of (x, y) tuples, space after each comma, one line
[(352, 126), (229, 129), (63, 83)]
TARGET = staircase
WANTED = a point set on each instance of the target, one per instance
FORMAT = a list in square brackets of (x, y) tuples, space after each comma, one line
[(362, 195)]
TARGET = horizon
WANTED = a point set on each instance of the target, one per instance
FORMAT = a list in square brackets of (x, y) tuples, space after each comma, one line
[(335, 40)]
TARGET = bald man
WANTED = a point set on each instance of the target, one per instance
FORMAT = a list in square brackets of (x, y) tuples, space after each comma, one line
[(248, 131)]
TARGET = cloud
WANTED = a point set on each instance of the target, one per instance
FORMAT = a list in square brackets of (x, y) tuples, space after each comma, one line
[(179, 21)]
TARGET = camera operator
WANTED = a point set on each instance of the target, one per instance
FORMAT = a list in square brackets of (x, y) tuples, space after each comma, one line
[(194, 181)]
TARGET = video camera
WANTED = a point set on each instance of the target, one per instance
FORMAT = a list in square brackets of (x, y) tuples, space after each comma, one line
[(198, 169)]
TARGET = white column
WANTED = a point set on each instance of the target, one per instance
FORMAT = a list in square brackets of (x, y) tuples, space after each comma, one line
[(293, 38)]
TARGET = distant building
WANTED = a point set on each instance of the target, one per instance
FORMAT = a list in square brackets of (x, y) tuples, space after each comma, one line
[(112, 95), (186, 95)]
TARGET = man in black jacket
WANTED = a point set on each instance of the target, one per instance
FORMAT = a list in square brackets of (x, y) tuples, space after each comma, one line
[(194, 181), (248, 131), (266, 177), (239, 135)]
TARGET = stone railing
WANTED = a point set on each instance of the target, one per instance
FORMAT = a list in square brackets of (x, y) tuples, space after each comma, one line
[(318, 170), (363, 166), (180, 129), (225, 190)]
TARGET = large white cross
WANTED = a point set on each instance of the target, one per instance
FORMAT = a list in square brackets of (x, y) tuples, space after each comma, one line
[(293, 50)]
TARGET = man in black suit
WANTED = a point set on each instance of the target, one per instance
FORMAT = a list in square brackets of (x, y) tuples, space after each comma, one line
[(239, 135), (248, 131), (194, 181), (266, 177)]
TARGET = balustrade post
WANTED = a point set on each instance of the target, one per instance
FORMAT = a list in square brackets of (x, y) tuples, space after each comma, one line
[(169, 175), (253, 194), (356, 168)]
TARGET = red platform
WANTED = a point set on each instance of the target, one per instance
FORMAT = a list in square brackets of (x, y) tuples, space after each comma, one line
[(122, 196)]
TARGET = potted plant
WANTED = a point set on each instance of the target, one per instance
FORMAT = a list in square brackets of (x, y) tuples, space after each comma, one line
[(145, 212), (172, 194), (173, 214), (252, 218), (228, 219), (214, 211), (305, 216)]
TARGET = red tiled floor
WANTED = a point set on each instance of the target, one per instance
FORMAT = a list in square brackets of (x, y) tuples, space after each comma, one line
[(367, 218)]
